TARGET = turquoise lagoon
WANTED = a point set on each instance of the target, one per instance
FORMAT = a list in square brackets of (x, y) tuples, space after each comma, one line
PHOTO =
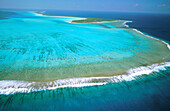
[(39, 51), (55, 57)]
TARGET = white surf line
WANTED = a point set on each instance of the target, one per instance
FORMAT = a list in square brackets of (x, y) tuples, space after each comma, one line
[(19, 88), (14, 86), (124, 23), (77, 85)]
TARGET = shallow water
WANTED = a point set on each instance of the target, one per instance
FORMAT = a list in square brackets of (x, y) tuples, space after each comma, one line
[(36, 51)]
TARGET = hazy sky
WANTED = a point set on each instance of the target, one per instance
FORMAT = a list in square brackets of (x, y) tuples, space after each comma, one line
[(92, 5)]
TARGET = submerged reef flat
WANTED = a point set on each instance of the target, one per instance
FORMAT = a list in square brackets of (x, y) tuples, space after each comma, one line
[(39, 52)]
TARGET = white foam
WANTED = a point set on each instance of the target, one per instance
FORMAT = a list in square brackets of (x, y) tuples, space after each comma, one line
[(14, 86), (124, 23), (37, 14), (77, 85)]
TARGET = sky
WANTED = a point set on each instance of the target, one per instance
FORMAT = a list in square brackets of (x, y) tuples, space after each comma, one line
[(158, 6)]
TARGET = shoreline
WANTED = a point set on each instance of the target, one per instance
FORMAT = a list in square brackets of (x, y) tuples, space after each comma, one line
[(97, 22)]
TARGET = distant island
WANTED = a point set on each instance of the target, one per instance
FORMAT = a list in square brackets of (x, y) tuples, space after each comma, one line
[(92, 20)]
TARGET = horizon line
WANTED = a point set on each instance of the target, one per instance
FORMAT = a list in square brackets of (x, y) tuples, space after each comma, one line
[(29, 9)]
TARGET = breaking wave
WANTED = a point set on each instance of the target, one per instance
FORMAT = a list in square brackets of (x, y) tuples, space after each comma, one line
[(14, 86)]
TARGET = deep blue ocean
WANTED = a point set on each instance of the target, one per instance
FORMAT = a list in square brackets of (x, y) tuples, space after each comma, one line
[(146, 93)]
